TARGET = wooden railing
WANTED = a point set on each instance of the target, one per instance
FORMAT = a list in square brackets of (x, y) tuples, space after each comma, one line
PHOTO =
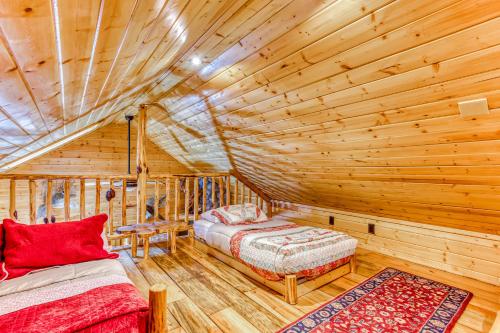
[(50, 198)]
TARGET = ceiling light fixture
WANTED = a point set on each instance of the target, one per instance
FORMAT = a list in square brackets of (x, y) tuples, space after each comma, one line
[(196, 61)]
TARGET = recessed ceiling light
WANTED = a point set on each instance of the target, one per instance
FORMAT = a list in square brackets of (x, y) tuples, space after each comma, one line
[(196, 61)]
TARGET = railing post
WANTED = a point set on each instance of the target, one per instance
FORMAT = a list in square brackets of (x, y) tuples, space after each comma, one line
[(67, 203), (221, 191), (12, 199), (48, 200), (32, 190), (213, 193), (228, 190), (111, 205), (235, 191), (167, 199), (97, 209), (142, 167), (176, 199), (82, 199), (186, 200), (157, 201), (196, 197), (124, 202), (204, 194)]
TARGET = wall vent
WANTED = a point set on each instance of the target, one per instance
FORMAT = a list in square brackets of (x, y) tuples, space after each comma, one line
[(371, 228), (331, 220), (474, 107)]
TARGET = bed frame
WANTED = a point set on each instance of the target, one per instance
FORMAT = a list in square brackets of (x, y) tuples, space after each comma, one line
[(157, 318), (291, 287)]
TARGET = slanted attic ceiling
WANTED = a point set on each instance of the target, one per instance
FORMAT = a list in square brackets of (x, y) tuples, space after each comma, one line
[(347, 104)]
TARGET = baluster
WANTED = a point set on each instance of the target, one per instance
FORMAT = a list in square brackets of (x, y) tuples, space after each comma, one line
[(167, 199), (32, 190), (12, 200), (221, 191), (111, 214), (82, 199), (97, 196), (157, 201), (249, 195), (236, 191), (186, 200), (196, 198), (176, 199), (124, 202), (213, 193), (204, 194), (48, 200), (67, 203), (228, 190), (242, 198)]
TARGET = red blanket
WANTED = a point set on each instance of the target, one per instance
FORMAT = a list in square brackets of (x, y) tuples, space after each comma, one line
[(108, 309)]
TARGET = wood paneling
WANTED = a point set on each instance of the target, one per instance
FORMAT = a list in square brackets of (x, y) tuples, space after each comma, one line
[(101, 152), (466, 253), (346, 104)]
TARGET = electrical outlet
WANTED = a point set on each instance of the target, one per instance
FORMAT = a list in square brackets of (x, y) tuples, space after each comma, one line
[(331, 220), (371, 228)]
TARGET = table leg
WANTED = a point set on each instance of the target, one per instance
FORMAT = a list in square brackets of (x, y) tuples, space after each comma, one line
[(133, 242), (173, 245), (146, 247)]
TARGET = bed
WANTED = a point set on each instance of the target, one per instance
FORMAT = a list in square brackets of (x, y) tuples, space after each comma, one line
[(290, 259), (94, 296), (61, 278)]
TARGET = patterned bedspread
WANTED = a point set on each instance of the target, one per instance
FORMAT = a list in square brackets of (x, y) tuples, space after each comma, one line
[(96, 299), (274, 252)]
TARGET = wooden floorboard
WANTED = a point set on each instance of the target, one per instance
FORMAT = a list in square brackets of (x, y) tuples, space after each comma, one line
[(205, 295)]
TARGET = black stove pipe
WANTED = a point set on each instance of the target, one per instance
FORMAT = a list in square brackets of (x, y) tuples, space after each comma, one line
[(129, 119)]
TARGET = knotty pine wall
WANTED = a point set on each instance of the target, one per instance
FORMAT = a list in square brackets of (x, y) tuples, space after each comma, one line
[(466, 253), (103, 152)]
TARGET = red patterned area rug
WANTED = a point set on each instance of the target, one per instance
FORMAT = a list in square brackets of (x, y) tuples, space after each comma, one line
[(391, 301)]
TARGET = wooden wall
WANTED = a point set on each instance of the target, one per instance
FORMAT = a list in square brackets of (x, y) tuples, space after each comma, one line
[(353, 105), (102, 152), (471, 254)]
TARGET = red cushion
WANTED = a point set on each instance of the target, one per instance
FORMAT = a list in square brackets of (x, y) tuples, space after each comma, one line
[(32, 247)]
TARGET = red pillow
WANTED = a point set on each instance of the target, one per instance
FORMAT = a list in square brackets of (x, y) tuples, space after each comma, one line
[(32, 247)]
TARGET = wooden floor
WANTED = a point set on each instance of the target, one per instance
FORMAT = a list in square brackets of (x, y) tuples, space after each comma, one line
[(205, 295)]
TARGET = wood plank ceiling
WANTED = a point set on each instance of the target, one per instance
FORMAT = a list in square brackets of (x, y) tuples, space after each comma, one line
[(349, 104)]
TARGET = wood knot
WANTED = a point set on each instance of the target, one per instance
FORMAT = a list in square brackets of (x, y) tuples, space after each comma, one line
[(15, 214), (28, 10), (53, 219), (45, 220), (110, 194), (139, 169)]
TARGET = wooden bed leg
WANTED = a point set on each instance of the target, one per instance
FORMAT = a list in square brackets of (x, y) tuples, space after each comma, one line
[(352, 263), (291, 289), (133, 245), (157, 321), (191, 236)]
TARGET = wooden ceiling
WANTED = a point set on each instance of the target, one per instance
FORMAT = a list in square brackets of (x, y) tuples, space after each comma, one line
[(349, 104)]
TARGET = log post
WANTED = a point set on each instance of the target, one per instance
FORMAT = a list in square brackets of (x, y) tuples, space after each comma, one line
[(82, 199), (228, 190), (352, 263), (167, 199), (176, 199), (67, 203), (111, 207), (186, 199), (32, 193), (213, 193), (124, 202), (48, 200), (204, 194), (142, 166), (236, 191), (12, 199), (157, 201), (196, 197), (97, 209), (157, 309), (221, 191)]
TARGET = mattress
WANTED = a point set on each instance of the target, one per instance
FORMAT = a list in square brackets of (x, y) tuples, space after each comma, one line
[(276, 248)]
